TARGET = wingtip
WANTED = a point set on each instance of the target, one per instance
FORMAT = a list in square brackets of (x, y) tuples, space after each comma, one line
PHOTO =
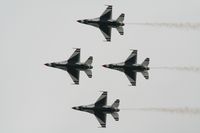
[(132, 84), (134, 50), (77, 48), (108, 5), (107, 40), (102, 127), (74, 83), (104, 91)]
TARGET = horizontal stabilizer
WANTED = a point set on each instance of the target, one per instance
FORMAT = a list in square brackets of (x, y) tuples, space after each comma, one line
[(89, 73), (115, 116), (120, 29), (121, 18), (89, 60), (116, 104), (146, 62), (145, 74)]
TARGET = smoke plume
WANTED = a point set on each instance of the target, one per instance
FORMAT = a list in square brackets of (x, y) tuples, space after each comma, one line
[(183, 68), (186, 110), (193, 26)]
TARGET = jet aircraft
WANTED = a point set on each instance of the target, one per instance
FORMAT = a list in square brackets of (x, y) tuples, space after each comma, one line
[(100, 109), (130, 67), (73, 66), (105, 23)]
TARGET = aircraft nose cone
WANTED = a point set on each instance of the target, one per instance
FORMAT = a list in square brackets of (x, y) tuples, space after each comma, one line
[(75, 108), (105, 65), (80, 21), (47, 64)]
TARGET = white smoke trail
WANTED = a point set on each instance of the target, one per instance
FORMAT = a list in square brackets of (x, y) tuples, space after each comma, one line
[(184, 68), (186, 110), (193, 26)]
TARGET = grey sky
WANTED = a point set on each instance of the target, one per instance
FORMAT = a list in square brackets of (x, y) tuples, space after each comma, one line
[(35, 98)]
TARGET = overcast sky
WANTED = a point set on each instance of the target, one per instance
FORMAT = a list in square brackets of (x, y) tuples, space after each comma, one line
[(35, 98)]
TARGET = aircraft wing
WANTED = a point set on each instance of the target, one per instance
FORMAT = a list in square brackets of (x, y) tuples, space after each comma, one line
[(75, 57), (107, 14), (132, 59), (106, 31), (102, 100), (131, 76), (101, 117), (74, 74)]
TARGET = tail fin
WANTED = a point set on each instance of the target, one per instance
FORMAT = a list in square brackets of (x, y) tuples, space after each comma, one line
[(120, 30), (116, 104), (89, 73), (121, 18), (146, 62), (115, 116), (89, 60)]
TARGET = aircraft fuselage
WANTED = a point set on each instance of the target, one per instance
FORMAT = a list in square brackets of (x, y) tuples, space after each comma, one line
[(80, 66), (98, 23), (132, 67), (105, 109)]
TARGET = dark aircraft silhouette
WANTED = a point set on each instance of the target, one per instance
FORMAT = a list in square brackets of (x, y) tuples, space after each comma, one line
[(73, 66), (100, 109), (130, 67), (105, 23)]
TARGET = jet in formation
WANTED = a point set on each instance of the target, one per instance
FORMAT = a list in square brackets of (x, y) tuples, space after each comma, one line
[(100, 109), (73, 66), (130, 67), (105, 23)]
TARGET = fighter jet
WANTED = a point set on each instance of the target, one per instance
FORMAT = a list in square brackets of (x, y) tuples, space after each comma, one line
[(105, 23), (130, 67), (73, 66), (100, 109)]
